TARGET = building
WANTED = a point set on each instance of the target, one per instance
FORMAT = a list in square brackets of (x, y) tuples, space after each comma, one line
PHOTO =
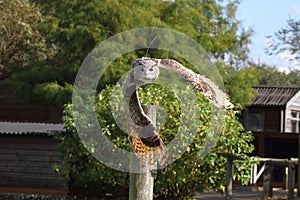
[(27, 157), (274, 119), (28, 152)]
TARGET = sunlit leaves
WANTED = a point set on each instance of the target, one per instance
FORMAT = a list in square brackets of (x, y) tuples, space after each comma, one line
[(189, 174), (20, 37)]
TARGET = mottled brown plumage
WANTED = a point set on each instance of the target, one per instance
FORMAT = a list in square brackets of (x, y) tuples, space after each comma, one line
[(145, 141), (201, 83)]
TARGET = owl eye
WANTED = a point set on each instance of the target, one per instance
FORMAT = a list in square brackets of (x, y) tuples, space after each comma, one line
[(152, 68)]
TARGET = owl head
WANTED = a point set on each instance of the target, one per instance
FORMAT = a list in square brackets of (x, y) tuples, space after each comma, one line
[(145, 70)]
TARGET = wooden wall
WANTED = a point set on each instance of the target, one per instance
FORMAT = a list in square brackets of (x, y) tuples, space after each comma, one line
[(275, 145), (272, 119), (27, 161), (292, 105)]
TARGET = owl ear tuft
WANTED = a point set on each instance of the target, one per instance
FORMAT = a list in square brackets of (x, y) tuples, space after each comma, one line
[(158, 62)]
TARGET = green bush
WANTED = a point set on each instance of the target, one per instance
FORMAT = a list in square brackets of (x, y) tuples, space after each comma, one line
[(186, 176)]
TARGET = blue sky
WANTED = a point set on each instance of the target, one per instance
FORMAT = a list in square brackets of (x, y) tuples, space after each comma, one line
[(266, 17)]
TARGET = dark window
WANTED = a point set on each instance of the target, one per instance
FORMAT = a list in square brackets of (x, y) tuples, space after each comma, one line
[(255, 121), (294, 114)]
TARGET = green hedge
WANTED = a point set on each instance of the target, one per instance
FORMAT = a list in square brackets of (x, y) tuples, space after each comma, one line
[(186, 176)]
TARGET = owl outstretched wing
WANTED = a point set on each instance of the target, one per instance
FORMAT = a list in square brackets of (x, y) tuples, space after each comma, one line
[(201, 83), (143, 137)]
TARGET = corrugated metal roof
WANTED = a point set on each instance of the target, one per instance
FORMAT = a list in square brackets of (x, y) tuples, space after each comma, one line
[(274, 95), (22, 128)]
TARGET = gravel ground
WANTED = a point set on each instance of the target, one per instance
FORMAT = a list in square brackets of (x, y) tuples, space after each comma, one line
[(244, 193), (239, 193)]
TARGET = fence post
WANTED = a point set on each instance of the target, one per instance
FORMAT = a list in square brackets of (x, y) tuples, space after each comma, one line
[(291, 181), (285, 178), (141, 184), (268, 181)]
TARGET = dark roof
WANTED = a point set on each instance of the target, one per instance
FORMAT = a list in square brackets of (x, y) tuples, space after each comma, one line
[(22, 128), (274, 95)]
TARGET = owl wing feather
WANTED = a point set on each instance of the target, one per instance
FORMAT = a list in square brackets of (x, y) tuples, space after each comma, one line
[(150, 153), (201, 83), (145, 141)]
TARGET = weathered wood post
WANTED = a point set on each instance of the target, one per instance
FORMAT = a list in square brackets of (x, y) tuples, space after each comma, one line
[(229, 172), (291, 181), (268, 181), (141, 184)]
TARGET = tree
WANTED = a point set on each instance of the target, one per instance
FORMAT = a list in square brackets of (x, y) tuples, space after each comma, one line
[(213, 25), (76, 27), (238, 83), (267, 75), (20, 37), (286, 39)]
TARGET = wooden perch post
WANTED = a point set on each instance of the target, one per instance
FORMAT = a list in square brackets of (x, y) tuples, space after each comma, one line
[(141, 184), (229, 172)]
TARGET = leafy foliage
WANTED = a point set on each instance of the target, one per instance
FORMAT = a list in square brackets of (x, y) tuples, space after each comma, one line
[(45, 85), (71, 29), (272, 76), (238, 83), (189, 174), (286, 39), (212, 24), (20, 37)]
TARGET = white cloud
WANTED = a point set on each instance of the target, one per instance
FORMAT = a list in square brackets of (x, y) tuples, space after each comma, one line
[(284, 69), (288, 57)]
